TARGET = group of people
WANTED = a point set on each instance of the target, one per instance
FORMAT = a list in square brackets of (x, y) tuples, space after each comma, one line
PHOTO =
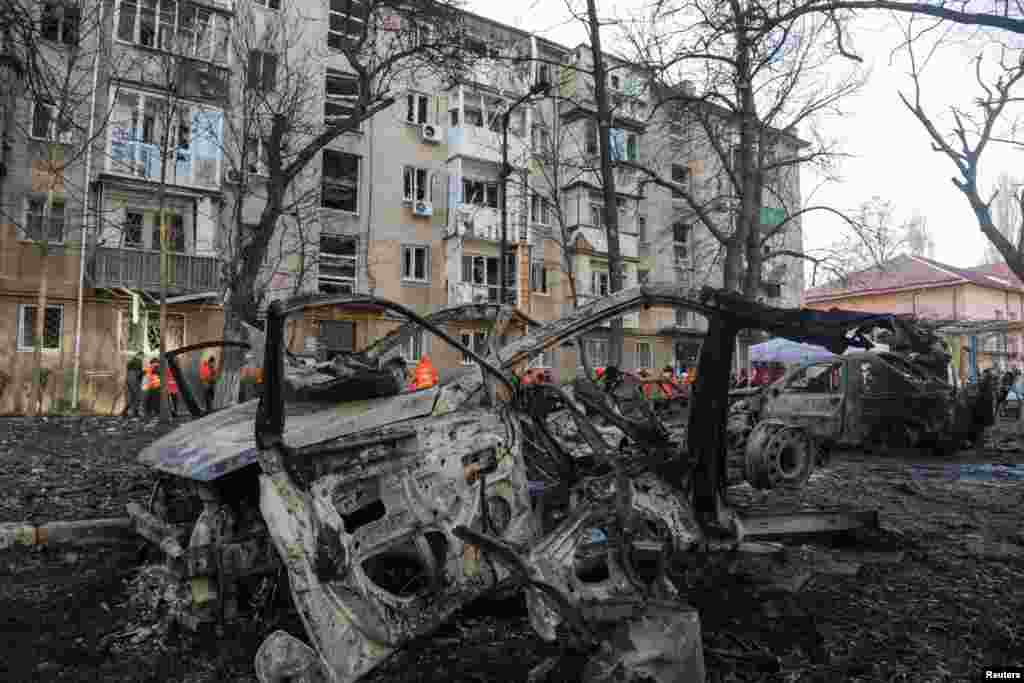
[(143, 386), (761, 374)]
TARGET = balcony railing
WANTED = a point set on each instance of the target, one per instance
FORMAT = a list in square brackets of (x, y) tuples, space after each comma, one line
[(484, 223), (138, 269), (485, 144)]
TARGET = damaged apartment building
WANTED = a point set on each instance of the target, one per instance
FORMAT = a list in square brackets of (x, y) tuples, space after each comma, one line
[(407, 208)]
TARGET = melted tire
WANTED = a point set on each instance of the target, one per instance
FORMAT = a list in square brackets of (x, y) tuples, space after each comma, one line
[(779, 455)]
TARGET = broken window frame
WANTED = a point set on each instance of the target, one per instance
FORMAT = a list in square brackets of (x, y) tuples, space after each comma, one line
[(794, 386), (341, 254), (340, 97), (151, 335), (347, 181)]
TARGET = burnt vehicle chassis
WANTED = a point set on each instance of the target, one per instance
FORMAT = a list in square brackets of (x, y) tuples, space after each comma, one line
[(390, 513), (900, 398)]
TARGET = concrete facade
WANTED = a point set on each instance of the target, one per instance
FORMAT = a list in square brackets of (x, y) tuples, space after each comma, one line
[(424, 227)]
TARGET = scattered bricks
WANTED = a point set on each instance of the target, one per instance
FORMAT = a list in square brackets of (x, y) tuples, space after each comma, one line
[(17, 533)]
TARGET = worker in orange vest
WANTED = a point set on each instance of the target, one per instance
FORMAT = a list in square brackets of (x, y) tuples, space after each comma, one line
[(425, 375), (208, 373), (151, 387)]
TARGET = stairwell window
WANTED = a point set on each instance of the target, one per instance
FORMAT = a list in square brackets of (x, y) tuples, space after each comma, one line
[(340, 185), (680, 176), (417, 108), (415, 186), (44, 223), (538, 278), (262, 73), (53, 327), (342, 94), (590, 145), (60, 23), (416, 263), (599, 283), (47, 124), (347, 23), (539, 209), (681, 233)]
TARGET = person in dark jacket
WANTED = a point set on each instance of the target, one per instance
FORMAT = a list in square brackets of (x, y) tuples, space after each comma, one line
[(133, 387)]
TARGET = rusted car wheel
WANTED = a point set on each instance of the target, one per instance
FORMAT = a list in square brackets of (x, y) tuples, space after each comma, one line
[(779, 456)]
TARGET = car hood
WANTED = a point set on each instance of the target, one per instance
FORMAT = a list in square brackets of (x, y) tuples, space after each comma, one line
[(223, 442)]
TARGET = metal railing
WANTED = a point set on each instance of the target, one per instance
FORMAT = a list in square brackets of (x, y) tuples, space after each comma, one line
[(140, 269)]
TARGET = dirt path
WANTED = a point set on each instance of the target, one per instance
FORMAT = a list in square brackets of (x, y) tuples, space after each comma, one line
[(67, 468), (938, 597)]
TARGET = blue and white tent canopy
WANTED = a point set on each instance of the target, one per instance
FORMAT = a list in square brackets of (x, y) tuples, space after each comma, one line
[(781, 350)]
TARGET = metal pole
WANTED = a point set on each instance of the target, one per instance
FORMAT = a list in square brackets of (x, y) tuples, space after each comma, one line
[(503, 249), (76, 381)]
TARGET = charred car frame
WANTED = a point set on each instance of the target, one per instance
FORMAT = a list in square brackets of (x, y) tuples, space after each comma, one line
[(387, 511)]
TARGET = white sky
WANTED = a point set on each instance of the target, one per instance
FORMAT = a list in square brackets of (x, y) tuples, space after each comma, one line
[(892, 152)]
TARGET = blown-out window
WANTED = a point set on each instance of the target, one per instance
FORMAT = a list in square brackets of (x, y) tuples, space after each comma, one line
[(340, 186)]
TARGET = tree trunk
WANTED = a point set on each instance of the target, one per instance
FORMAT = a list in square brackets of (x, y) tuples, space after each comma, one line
[(165, 401), (241, 308), (611, 211), (40, 324)]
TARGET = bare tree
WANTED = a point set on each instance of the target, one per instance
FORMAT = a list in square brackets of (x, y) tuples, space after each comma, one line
[(994, 119), (734, 83), (919, 236), (1006, 214), (386, 43)]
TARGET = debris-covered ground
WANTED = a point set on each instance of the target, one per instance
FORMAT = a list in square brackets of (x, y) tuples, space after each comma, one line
[(934, 596)]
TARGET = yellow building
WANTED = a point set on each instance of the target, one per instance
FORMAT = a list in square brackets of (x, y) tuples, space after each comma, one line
[(936, 291)]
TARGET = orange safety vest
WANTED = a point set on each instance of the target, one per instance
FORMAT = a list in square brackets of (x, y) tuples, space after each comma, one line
[(152, 379), (207, 375), (425, 375)]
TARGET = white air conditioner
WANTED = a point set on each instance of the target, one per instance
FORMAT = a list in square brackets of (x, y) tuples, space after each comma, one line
[(422, 208), (465, 222), (430, 133)]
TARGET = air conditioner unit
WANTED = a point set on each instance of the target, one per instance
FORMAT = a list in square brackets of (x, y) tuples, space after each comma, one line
[(422, 208), (430, 133), (465, 219)]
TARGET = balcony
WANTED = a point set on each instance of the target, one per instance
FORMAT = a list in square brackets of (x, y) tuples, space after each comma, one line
[(460, 293), (476, 142), (484, 223), (497, 75), (137, 269)]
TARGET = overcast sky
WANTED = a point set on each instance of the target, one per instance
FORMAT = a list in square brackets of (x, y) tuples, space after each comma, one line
[(893, 157)]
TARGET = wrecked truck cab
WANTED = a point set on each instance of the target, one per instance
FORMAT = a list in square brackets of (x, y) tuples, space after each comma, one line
[(864, 399)]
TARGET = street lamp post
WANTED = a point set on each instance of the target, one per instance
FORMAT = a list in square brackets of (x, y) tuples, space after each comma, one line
[(506, 171)]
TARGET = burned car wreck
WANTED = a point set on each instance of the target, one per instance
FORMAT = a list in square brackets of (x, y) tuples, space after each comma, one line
[(900, 396), (388, 511)]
